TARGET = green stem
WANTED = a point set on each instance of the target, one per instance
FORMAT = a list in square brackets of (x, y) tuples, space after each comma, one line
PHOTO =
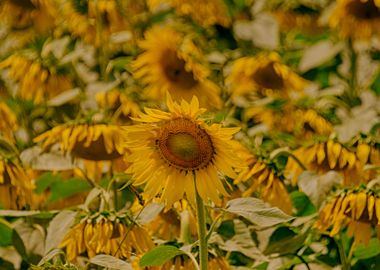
[(201, 219), (342, 254)]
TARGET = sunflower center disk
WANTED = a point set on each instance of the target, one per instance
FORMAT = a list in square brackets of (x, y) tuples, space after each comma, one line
[(363, 10), (175, 71), (267, 77), (185, 145)]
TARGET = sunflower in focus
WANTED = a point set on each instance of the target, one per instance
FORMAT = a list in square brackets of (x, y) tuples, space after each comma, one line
[(8, 123), (105, 235), (88, 141), (177, 147), (264, 75), (36, 82), (172, 63), (356, 208), (357, 19), (39, 15), (15, 185)]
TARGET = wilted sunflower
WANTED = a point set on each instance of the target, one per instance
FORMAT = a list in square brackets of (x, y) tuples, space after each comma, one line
[(36, 83), (357, 208), (358, 19), (8, 122), (15, 185), (116, 237), (171, 62), (87, 141), (39, 15), (264, 75), (171, 148), (264, 180), (323, 157)]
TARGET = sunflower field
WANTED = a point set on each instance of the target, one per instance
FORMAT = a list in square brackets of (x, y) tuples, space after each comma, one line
[(190, 134)]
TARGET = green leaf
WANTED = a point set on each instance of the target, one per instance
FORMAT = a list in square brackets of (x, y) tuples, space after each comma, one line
[(67, 188), (45, 181), (6, 235), (302, 203), (375, 86), (159, 255), (364, 252), (257, 212), (110, 262), (19, 244), (57, 229), (285, 241)]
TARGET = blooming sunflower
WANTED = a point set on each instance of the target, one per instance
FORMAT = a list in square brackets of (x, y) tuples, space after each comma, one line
[(264, 180), (358, 19), (15, 185), (170, 148), (87, 141), (35, 82), (8, 122), (37, 14), (323, 157), (264, 75), (357, 208), (170, 62), (103, 235)]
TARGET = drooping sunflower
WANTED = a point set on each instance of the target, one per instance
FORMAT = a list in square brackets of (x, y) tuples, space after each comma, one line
[(105, 235), (358, 19), (177, 147), (8, 123), (15, 185), (172, 63), (323, 157), (36, 82), (358, 208), (264, 180), (39, 15), (88, 141), (263, 75)]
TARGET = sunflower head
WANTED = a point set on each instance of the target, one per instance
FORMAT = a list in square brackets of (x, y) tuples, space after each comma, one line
[(171, 62), (179, 147)]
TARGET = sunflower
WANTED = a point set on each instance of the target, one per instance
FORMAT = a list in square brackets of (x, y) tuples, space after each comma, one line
[(291, 19), (358, 208), (264, 180), (171, 62), (8, 122), (105, 235), (38, 15), (177, 147), (88, 141), (15, 185), (264, 75), (323, 157), (357, 19), (36, 83)]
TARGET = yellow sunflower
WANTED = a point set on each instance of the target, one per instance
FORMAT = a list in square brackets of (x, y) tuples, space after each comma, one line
[(171, 62), (170, 149), (103, 235), (264, 180), (358, 19), (35, 82), (40, 15), (264, 75), (289, 20), (8, 123), (15, 185), (87, 141), (323, 157), (357, 208)]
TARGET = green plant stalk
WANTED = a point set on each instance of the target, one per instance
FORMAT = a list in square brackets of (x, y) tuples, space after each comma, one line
[(201, 219), (346, 264)]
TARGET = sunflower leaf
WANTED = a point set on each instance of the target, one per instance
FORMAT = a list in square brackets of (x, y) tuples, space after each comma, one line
[(159, 255), (110, 262), (257, 212)]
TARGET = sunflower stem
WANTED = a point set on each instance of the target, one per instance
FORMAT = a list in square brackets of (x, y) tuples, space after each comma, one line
[(346, 265), (201, 219)]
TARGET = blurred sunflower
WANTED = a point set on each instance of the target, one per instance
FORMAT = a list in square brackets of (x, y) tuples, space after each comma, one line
[(15, 185), (38, 15), (264, 75), (358, 19), (264, 180), (36, 82), (8, 123), (88, 141), (171, 62), (103, 235), (323, 157), (177, 147), (357, 208)]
